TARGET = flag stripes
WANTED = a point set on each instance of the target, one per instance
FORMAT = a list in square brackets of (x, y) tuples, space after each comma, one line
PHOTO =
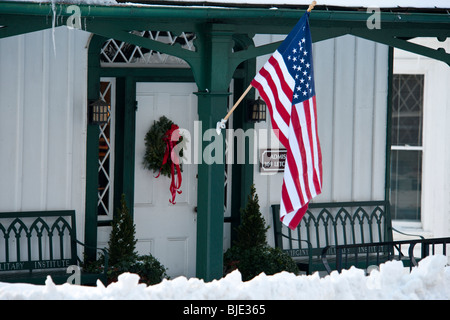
[(286, 84), (276, 91)]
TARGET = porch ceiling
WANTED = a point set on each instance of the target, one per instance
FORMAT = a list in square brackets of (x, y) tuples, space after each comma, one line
[(396, 27)]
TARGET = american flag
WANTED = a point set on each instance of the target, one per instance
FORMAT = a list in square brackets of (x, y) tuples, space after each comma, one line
[(286, 84)]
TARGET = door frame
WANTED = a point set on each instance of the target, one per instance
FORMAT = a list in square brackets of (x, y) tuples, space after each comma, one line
[(124, 157), (126, 79)]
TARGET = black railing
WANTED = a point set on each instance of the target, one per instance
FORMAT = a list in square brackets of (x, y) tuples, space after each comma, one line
[(373, 254)]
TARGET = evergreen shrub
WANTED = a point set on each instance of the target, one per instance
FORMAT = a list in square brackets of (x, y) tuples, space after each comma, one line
[(250, 253), (122, 253)]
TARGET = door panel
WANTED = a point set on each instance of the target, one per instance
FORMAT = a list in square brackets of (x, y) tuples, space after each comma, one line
[(165, 230)]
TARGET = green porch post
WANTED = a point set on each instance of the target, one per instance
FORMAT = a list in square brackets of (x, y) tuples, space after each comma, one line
[(210, 198), (213, 76), (92, 145)]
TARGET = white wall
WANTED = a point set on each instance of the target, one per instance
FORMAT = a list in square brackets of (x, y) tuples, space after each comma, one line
[(351, 89), (43, 121), (436, 136)]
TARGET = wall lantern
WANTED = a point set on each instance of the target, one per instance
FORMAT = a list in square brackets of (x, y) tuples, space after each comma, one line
[(256, 110), (99, 112)]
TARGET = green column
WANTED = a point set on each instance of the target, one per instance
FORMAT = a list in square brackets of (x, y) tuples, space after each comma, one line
[(213, 77), (242, 174), (90, 222), (125, 136), (92, 144)]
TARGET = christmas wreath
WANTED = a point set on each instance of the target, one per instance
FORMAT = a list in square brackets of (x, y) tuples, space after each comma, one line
[(160, 153)]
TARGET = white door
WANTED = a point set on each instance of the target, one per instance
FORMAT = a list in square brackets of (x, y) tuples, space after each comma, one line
[(165, 230)]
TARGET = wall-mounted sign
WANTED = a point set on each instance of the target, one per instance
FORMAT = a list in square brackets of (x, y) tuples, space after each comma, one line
[(272, 160)]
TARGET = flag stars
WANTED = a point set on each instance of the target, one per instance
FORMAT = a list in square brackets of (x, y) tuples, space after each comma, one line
[(298, 61)]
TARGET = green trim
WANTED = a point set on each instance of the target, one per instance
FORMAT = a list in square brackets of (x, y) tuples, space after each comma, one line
[(117, 21), (257, 17), (95, 45), (129, 137), (387, 186), (119, 143), (392, 40), (90, 222), (13, 26), (143, 74), (92, 145), (318, 34), (242, 174)]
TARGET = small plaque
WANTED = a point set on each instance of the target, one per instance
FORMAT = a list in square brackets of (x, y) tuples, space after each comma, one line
[(272, 160)]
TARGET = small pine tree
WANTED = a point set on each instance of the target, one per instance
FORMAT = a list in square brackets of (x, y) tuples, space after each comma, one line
[(252, 230), (251, 254), (122, 242)]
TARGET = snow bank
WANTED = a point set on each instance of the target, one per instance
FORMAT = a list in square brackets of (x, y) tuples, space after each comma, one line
[(431, 280)]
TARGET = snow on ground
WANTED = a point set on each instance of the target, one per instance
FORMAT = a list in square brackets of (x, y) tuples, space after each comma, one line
[(431, 280)]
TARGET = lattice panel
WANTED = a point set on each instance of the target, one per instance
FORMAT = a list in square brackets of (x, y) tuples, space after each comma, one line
[(105, 161), (115, 51)]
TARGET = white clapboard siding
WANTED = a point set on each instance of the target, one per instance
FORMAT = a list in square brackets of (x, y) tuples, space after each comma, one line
[(351, 88), (352, 117), (43, 121)]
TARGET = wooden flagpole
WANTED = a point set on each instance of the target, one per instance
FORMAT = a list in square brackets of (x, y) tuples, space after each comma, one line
[(221, 124), (311, 6)]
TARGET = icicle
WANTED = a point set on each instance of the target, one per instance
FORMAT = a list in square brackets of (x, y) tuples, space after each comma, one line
[(53, 26)]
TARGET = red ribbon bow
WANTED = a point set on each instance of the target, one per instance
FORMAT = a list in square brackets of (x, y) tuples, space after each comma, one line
[(171, 138)]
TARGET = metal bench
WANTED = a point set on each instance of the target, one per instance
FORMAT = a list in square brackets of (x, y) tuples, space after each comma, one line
[(332, 224), (364, 256), (36, 244)]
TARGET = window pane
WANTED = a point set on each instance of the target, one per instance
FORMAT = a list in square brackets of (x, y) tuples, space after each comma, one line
[(407, 109), (105, 156), (406, 184)]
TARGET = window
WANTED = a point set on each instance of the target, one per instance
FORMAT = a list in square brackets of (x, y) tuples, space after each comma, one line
[(406, 146), (106, 154)]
